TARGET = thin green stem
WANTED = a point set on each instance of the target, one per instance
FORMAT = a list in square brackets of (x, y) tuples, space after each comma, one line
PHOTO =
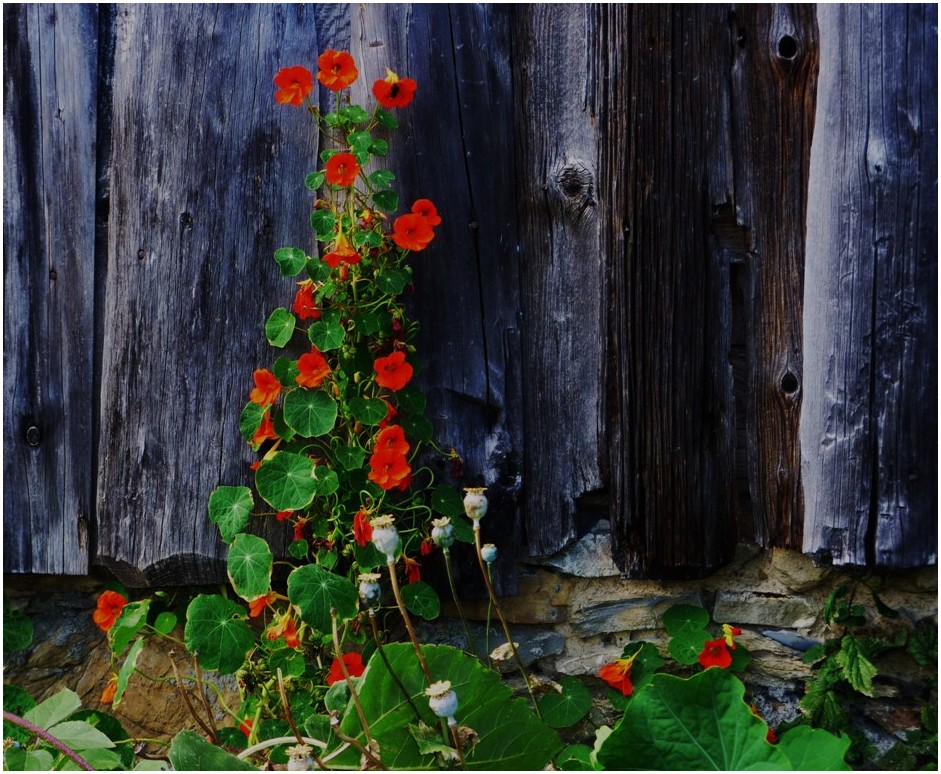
[(349, 681), (457, 602), (408, 622), (385, 660)]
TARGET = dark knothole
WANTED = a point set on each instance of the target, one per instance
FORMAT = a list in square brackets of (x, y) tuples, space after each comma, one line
[(787, 47), (789, 383)]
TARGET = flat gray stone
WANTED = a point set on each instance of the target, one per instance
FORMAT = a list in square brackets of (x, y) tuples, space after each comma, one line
[(771, 610), (626, 615)]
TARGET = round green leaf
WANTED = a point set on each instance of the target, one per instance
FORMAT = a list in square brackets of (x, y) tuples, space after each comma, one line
[(369, 411), (814, 749), (392, 281), (561, 710), (280, 327), (314, 180), (298, 549), (410, 399), (381, 178), (17, 629), (374, 321), (190, 752), (349, 457), (447, 501), (230, 508), (286, 481), (291, 662), (249, 566), (326, 335), (217, 633), (680, 619), (165, 622), (323, 223), (291, 261), (310, 413), (386, 200), (422, 600), (386, 118), (327, 480), (286, 371), (575, 757), (250, 420), (685, 648), (418, 427), (315, 591)]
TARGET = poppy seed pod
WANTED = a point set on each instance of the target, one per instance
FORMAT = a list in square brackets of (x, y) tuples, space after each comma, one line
[(442, 532), (475, 503), (369, 589), (385, 536), (442, 700), (489, 552)]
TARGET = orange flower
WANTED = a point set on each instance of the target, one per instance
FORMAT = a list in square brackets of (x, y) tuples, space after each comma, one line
[(362, 530), (354, 665), (391, 440), (392, 91), (337, 69), (341, 253), (246, 726), (427, 547), (617, 674), (257, 605), (728, 632), (427, 210), (770, 737), (110, 691), (265, 431), (715, 653), (304, 305), (267, 387), (341, 170), (412, 569), (299, 528), (294, 83), (109, 607), (389, 470), (312, 369), (412, 232), (392, 372), (285, 628)]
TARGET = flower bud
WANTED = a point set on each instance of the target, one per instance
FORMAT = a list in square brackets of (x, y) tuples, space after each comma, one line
[(442, 532), (475, 502), (489, 552), (369, 589), (385, 536), (442, 700)]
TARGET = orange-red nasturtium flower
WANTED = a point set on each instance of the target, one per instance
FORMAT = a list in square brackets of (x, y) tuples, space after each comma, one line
[(362, 530), (246, 726), (282, 515), (771, 737), (341, 253), (110, 691), (109, 607), (394, 92), (294, 83), (304, 305), (312, 369), (337, 69), (285, 628), (412, 569), (257, 605), (267, 387), (728, 632), (389, 470), (412, 232), (265, 431), (426, 209), (617, 674), (391, 414), (299, 528), (427, 546), (391, 440), (715, 653), (392, 371), (341, 170), (354, 665)]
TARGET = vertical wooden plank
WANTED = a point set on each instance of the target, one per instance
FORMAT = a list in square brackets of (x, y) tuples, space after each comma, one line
[(774, 74), (869, 425), (206, 182), (670, 379), (50, 72), (562, 274), (466, 283)]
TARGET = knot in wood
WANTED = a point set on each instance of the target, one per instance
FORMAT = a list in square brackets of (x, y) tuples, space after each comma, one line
[(788, 47), (576, 182)]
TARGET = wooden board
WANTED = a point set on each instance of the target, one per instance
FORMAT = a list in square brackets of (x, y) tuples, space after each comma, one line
[(869, 425), (49, 158)]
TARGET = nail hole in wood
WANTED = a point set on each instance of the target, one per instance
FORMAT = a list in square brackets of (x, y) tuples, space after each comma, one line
[(787, 47), (789, 383), (33, 435)]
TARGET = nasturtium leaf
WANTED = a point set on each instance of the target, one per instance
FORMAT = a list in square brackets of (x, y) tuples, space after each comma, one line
[(647, 660), (422, 600), (291, 260), (328, 153), (354, 113), (314, 180), (165, 622), (310, 413), (27, 760), (249, 566), (381, 178), (280, 327), (190, 752), (686, 625), (561, 710), (326, 336), (349, 457), (323, 223), (315, 591), (359, 140), (19, 702), (392, 281), (386, 118), (575, 757), (327, 480), (291, 663), (447, 501), (368, 557), (250, 420), (741, 658), (54, 710), (230, 508), (286, 371), (127, 669), (386, 200), (80, 735), (411, 400), (286, 481), (418, 426), (327, 558), (17, 629), (814, 749), (701, 723), (298, 549), (217, 633), (379, 147), (685, 648), (369, 411), (131, 620), (463, 532), (857, 668), (317, 270), (373, 322)]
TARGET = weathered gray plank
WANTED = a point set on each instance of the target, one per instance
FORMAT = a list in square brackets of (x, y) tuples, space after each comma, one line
[(207, 181), (774, 75), (562, 272), (50, 64), (869, 424)]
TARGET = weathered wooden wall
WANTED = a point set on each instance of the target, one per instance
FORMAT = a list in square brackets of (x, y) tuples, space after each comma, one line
[(615, 315)]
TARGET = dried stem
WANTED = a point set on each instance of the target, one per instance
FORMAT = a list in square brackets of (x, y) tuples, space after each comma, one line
[(204, 699), (457, 603), (48, 738), (186, 699), (335, 723), (408, 623), (457, 744), (349, 680), (289, 717), (385, 660)]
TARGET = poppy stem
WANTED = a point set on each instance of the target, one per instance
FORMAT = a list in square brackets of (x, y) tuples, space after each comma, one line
[(289, 717), (385, 660), (204, 699), (457, 745), (349, 680), (408, 621), (335, 724), (186, 700), (457, 602)]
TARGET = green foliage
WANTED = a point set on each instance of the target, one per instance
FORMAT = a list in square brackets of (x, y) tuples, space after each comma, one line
[(316, 592), (230, 508), (280, 327), (561, 710), (249, 566), (686, 626), (217, 633), (422, 600), (17, 629), (190, 752)]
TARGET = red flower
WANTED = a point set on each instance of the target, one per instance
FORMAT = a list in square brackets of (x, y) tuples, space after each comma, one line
[(412, 569), (312, 369), (362, 531), (771, 737), (257, 605), (285, 628), (255, 465), (617, 674), (294, 83), (341, 170), (299, 529), (392, 371), (427, 546), (728, 632), (109, 607), (267, 387), (246, 726), (265, 431), (393, 92), (337, 69), (304, 305), (390, 415), (426, 209), (391, 440), (715, 653), (342, 253), (389, 470), (110, 690), (282, 515), (412, 232), (354, 665)]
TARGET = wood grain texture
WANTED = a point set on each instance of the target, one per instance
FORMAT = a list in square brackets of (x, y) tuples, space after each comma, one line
[(206, 182), (774, 74), (869, 425), (561, 202), (50, 63), (455, 147), (668, 166)]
